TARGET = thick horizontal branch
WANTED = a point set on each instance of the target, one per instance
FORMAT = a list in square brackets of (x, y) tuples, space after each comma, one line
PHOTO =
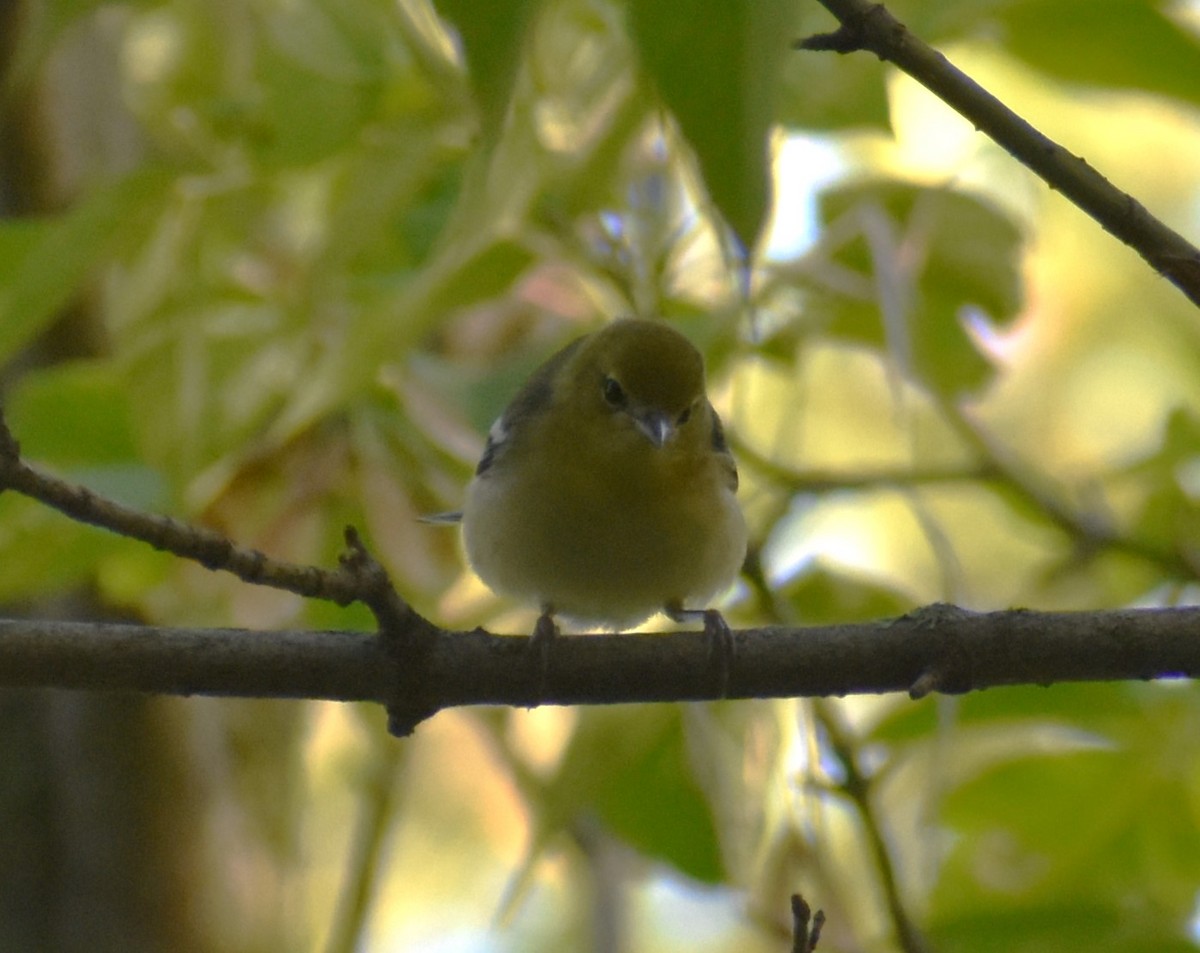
[(869, 26), (939, 648), (100, 656)]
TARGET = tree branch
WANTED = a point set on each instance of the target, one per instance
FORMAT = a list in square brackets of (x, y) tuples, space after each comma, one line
[(869, 26), (939, 648), (359, 577), (350, 583), (416, 669), (795, 480)]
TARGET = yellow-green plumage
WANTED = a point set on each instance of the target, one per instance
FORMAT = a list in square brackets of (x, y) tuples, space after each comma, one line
[(607, 492)]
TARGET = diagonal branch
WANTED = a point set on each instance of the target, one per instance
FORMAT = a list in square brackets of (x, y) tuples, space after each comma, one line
[(212, 550), (869, 26), (405, 635), (857, 786)]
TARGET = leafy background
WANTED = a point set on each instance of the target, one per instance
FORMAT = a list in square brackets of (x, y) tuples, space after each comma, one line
[(274, 266)]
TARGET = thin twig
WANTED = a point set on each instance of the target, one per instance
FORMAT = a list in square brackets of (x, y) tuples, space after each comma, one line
[(997, 466), (806, 926), (405, 633), (797, 480), (380, 788), (857, 787), (207, 547), (1090, 531), (869, 26)]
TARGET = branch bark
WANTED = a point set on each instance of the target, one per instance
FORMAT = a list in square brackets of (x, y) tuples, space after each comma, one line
[(939, 648), (416, 669), (869, 26)]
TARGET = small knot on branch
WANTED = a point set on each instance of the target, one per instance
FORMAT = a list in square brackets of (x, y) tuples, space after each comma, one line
[(949, 668), (407, 636), (374, 586), (843, 40), (926, 683), (850, 36)]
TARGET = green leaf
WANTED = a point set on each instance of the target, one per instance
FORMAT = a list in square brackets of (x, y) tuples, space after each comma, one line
[(322, 71), (1168, 515), (1084, 831), (1068, 925), (480, 274), (343, 40), (716, 65), (493, 39), (1169, 520), (306, 114), (43, 552), (1114, 44), (1091, 706), (26, 310), (629, 767), (44, 262), (925, 256), (823, 596), (426, 215), (825, 92), (73, 415), (1117, 44)]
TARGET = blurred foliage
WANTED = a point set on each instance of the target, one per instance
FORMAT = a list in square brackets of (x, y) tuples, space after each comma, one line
[(317, 245)]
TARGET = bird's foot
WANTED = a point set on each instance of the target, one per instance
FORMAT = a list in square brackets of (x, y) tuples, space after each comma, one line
[(545, 631), (719, 638)]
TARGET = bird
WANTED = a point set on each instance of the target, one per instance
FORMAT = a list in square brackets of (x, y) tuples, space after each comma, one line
[(607, 491)]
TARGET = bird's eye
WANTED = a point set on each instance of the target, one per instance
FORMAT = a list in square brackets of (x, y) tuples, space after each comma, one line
[(613, 392), (685, 416)]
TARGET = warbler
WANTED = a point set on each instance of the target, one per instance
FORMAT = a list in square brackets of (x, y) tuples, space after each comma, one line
[(606, 491)]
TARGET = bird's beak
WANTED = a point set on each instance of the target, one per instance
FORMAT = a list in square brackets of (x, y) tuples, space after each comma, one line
[(657, 426)]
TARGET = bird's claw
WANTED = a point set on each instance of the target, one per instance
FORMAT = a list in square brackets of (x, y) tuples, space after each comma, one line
[(719, 639), (720, 649), (545, 631)]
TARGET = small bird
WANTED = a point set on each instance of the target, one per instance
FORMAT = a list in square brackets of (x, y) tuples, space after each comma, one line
[(606, 491)]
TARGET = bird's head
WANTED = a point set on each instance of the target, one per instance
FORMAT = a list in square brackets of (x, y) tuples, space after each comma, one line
[(643, 378)]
